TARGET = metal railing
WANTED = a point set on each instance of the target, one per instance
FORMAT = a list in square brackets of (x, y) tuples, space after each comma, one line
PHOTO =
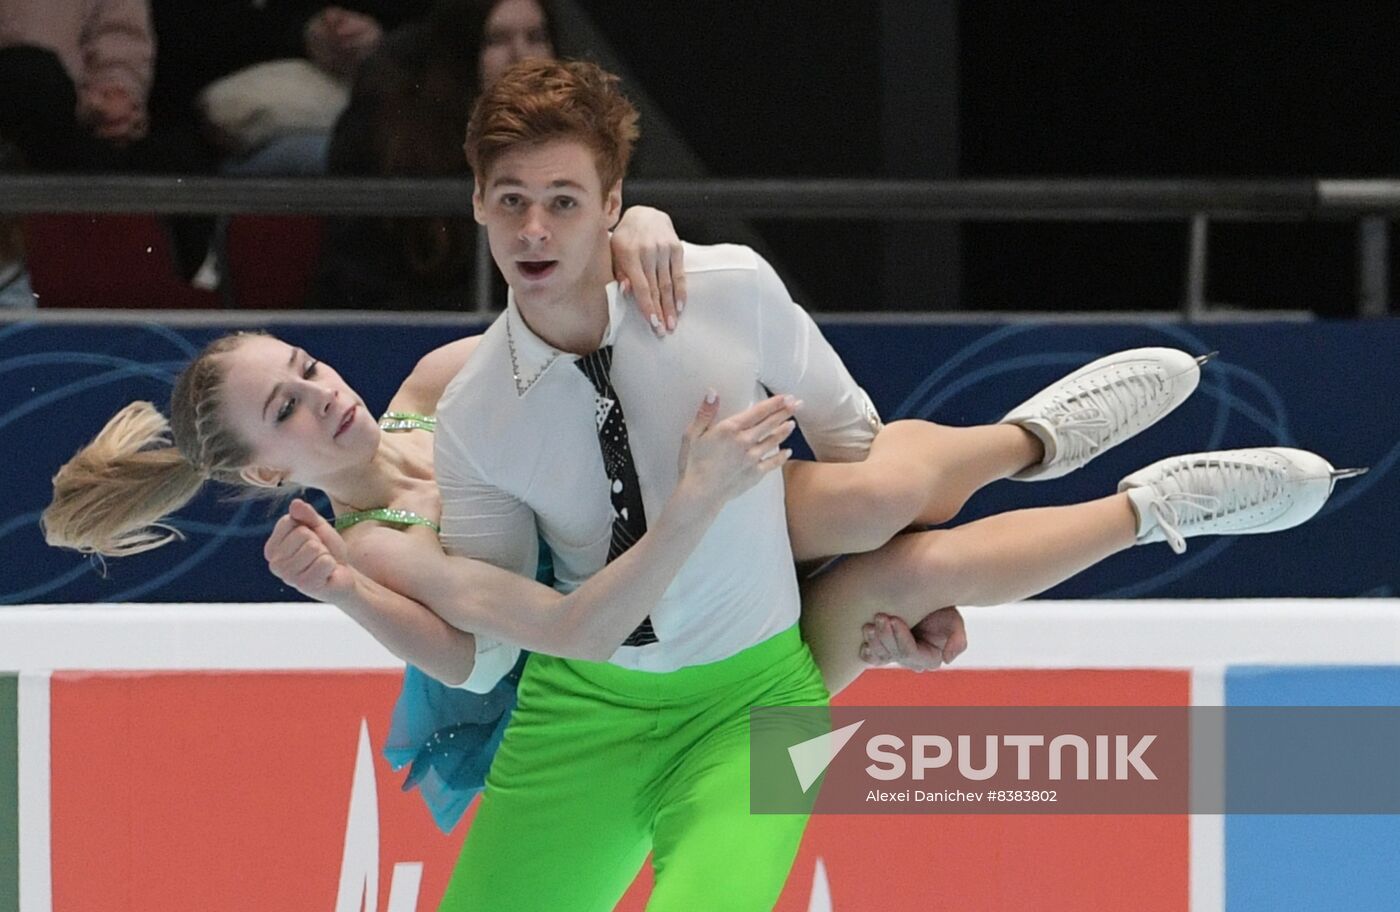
[(1369, 203)]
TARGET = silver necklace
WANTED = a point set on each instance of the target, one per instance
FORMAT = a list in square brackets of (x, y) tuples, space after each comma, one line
[(522, 386)]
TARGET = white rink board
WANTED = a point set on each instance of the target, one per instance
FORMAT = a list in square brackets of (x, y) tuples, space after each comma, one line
[(1036, 634)]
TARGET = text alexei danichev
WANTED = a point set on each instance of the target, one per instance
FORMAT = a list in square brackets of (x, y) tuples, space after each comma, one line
[(958, 796), (954, 795)]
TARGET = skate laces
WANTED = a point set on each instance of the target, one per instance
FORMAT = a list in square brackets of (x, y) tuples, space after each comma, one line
[(1084, 421), (1239, 485)]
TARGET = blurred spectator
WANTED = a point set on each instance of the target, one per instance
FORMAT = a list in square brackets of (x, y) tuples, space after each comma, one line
[(260, 83), (15, 292), (407, 118), (74, 80), (515, 30), (252, 87)]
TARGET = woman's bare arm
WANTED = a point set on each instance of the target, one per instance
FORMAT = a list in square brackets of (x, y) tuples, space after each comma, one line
[(423, 388), (386, 570)]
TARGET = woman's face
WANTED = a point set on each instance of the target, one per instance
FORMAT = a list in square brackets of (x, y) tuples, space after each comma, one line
[(516, 30), (302, 422)]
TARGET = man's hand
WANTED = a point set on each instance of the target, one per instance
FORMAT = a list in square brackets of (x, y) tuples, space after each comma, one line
[(649, 264), (305, 552), (936, 640), (338, 40)]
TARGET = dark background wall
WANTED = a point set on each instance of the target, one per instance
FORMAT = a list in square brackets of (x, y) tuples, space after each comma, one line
[(828, 88), (785, 89)]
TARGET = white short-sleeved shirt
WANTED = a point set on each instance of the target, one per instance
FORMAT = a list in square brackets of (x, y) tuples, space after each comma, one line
[(517, 451)]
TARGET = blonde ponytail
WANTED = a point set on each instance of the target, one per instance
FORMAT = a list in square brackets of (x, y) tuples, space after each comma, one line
[(112, 496)]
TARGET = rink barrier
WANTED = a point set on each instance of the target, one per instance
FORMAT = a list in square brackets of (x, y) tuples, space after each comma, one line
[(164, 757)]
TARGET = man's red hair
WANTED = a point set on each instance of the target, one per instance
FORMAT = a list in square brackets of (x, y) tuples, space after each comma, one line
[(539, 101)]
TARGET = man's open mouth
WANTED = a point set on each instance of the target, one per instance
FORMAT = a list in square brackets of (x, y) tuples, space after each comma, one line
[(535, 269)]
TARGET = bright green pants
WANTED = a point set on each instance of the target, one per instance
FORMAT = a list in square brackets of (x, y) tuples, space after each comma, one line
[(602, 764)]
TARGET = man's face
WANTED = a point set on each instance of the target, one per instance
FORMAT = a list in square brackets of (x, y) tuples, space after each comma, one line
[(547, 217)]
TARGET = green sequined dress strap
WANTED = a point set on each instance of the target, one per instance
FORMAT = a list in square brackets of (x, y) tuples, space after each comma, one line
[(385, 515), (394, 421), (407, 421)]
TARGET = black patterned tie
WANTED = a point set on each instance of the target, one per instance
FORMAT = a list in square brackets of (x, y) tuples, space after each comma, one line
[(629, 516)]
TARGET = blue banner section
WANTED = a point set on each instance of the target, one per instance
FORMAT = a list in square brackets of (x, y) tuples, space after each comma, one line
[(1307, 861), (1312, 759), (1329, 387)]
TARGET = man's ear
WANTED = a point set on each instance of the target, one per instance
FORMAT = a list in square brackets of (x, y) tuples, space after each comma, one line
[(262, 476), (612, 205), (478, 205)]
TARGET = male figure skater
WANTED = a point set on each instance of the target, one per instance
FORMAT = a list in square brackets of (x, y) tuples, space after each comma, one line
[(566, 424)]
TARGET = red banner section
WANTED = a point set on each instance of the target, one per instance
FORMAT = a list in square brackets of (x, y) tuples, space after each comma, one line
[(234, 791)]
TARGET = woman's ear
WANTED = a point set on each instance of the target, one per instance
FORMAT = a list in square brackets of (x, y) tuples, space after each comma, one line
[(262, 476)]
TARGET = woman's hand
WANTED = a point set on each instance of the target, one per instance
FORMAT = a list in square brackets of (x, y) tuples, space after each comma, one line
[(722, 460), (305, 552), (649, 264)]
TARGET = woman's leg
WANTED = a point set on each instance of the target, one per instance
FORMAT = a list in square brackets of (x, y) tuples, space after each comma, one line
[(999, 559), (922, 472), (917, 472), (1018, 554)]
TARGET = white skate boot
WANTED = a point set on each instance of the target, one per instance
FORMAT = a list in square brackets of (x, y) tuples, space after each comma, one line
[(1229, 492), (1102, 404)]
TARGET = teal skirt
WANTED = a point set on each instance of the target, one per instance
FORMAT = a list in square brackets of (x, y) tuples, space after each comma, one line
[(447, 736)]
